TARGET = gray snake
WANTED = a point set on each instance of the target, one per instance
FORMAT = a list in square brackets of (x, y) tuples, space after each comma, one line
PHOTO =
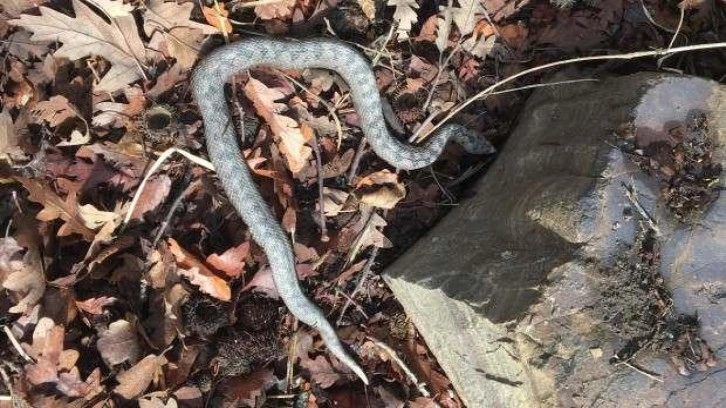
[(208, 82)]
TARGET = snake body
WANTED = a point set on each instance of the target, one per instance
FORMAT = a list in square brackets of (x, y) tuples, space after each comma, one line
[(208, 83)]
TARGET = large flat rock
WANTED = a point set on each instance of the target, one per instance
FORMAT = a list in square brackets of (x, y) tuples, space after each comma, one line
[(575, 274)]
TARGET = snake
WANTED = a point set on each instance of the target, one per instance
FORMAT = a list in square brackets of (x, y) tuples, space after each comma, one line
[(208, 81)]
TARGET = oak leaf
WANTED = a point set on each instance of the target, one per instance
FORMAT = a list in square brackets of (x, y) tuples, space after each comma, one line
[(118, 343), (405, 16), (218, 17), (170, 26), (292, 137), (55, 207), (199, 274), (381, 189), (9, 149), (113, 8), (22, 275), (95, 306), (272, 10), (134, 381), (89, 34), (232, 261), (55, 110), (13, 8)]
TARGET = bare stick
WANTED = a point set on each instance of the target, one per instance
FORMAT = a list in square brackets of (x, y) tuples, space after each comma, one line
[(421, 386), (364, 277)]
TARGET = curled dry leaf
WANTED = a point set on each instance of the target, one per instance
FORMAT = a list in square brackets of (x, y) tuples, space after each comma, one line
[(118, 343), (381, 189), (232, 261), (292, 139), (134, 381), (199, 274), (333, 201), (116, 114), (24, 277)]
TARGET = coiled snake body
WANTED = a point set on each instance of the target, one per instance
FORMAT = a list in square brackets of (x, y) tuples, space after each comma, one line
[(208, 83)]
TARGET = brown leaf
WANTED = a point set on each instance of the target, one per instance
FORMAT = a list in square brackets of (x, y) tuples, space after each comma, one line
[(46, 349), (153, 195), (54, 208), (167, 80), (24, 276), (292, 138), (55, 365), (275, 10), (381, 189), (95, 306), (321, 371), (334, 201), (170, 24), (246, 390), (118, 343), (232, 261), (10, 151), (89, 34), (134, 381), (9, 251), (116, 114), (13, 8), (55, 110), (199, 274), (339, 165), (218, 17)]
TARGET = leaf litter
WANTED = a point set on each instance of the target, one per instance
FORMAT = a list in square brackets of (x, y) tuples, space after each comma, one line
[(108, 317)]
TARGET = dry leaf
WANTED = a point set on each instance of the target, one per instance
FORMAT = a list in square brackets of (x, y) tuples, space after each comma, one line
[(292, 139), (271, 10), (116, 114), (405, 15), (89, 34), (339, 165), (218, 19), (118, 343), (95, 306), (199, 274), (153, 195), (24, 276), (13, 8), (232, 261), (333, 201), (113, 8), (94, 218), (321, 371), (170, 24), (134, 381), (54, 207), (55, 110), (9, 149)]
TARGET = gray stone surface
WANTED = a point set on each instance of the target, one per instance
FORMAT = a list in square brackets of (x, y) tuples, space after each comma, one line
[(508, 289)]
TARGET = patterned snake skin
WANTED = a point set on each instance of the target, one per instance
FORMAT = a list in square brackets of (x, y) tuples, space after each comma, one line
[(208, 83)]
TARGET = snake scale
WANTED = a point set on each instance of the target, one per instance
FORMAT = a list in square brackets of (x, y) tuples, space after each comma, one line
[(208, 82)]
